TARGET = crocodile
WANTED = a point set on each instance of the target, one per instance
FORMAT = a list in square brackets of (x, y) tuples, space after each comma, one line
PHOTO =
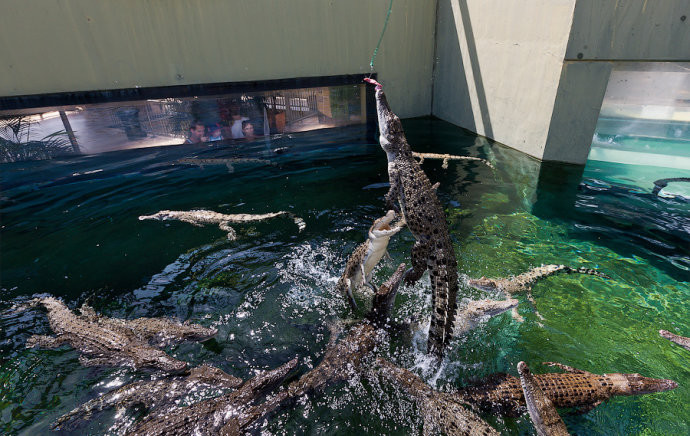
[(341, 362), (159, 332), (447, 157), (680, 340), (525, 281), (200, 217), (154, 394), (440, 410), (423, 213), (212, 415), (366, 256), (475, 311), (545, 417), (228, 162), (502, 393), (99, 344), (662, 183)]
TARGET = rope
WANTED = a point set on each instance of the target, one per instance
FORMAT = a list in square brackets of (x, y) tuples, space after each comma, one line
[(385, 24)]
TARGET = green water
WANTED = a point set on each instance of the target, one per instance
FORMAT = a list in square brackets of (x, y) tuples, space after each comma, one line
[(72, 231)]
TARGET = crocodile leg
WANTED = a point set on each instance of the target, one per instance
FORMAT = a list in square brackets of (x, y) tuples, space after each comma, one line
[(534, 303), (367, 279), (516, 316), (394, 191), (420, 253), (44, 341), (232, 235), (566, 368)]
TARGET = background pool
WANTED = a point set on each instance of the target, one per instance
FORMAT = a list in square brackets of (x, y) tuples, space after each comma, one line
[(69, 228)]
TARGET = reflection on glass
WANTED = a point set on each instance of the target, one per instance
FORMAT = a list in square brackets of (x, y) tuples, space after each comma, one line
[(44, 133), (643, 131)]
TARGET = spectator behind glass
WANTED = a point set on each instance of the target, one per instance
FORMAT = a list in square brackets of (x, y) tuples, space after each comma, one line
[(236, 121), (214, 133), (196, 133), (248, 131)]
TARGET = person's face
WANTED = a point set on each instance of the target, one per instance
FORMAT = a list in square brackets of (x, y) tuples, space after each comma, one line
[(198, 131), (248, 130)]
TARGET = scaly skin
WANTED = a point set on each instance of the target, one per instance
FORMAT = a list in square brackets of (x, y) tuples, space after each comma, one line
[(209, 416), (680, 340), (440, 410), (422, 212), (100, 343), (156, 331), (545, 417), (201, 217), (502, 393), (154, 394), (366, 256), (525, 281)]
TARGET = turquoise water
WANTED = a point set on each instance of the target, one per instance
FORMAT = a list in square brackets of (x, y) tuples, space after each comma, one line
[(70, 229)]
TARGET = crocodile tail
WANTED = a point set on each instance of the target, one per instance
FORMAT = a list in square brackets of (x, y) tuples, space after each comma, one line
[(301, 225), (588, 271), (444, 289)]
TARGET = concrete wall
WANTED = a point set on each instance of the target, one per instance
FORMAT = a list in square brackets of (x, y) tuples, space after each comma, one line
[(498, 66), (71, 45), (532, 74), (604, 34)]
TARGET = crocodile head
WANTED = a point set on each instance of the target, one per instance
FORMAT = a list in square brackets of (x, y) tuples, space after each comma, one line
[(480, 308), (381, 226), (392, 137), (162, 215), (483, 283), (635, 384), (153, 358)]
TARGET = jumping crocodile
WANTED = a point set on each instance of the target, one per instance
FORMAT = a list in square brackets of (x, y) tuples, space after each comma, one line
[(680, 340), (101, 343), (365, 257), (525, 281), (502, 393), (440, 410), (201, 217), (155, 394), (545, 417), (422, 211)]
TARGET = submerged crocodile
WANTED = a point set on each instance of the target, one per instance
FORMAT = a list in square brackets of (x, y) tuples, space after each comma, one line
[(545, 417), (422, 211), (201, 217), (475, 311), (525, 281), (213, 416), (440, 410), (105, 343), (366, 256), (159, 332), (502, 393), (228, 162), (447, 157), (662, 183), (680, 340), (154, 394)]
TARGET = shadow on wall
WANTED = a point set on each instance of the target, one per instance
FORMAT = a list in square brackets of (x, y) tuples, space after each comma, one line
[(459, 94)]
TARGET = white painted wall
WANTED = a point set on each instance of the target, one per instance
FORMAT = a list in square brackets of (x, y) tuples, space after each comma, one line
[(72, 45), (498, 66)]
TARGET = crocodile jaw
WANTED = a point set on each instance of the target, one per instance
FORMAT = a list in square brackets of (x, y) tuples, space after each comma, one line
[(635, 384), (392, 137)]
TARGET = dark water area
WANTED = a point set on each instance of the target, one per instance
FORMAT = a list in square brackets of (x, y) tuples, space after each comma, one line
[(70, 228)]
